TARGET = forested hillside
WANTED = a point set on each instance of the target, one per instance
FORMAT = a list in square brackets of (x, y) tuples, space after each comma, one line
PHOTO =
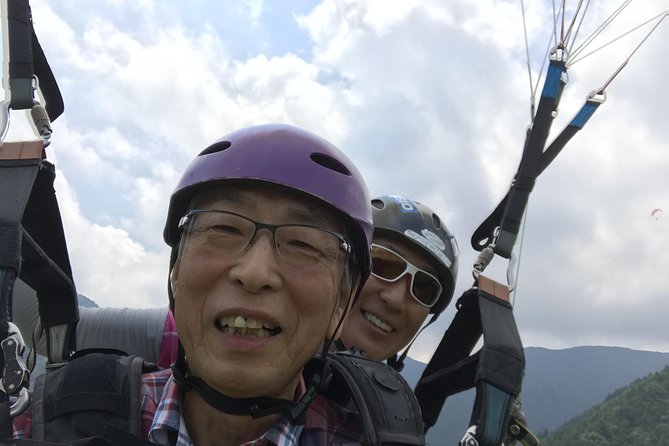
[(559, 385), (635, 415)]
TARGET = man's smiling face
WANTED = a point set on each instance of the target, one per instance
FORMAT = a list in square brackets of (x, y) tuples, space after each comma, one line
[(250, 320)]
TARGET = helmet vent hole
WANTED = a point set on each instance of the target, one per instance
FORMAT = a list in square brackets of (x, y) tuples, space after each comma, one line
[(378, 204), (436, 221), (216, 147), (329, 163)]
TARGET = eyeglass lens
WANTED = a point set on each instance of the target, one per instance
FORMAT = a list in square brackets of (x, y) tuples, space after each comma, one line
[(229, 232), (390, 266)]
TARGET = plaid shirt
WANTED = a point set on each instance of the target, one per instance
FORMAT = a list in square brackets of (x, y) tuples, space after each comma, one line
[(325, 423), (163, 423)]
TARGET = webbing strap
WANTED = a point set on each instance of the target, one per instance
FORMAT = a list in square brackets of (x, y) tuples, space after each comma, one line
[(503, 224), (21, 67), (450, 360), (500, 362), (5, 420), (82, 401), (26, 61), (47, 82), (32, 241)]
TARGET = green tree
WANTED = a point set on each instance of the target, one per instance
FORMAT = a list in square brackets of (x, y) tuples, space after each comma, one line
[(635, 415)]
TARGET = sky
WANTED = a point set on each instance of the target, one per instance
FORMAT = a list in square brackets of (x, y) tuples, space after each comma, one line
[(430, 99)]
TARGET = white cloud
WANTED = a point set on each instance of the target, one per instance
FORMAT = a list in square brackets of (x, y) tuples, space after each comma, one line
[(106, 261), (429, 98), (255, 10)]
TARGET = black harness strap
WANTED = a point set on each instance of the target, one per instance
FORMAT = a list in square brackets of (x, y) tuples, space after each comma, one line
[(21, 66), (33, 247), (451, 358), (503, 224), (32, 242), (5, 420), (496, 370), (47, 82), (27, 61)]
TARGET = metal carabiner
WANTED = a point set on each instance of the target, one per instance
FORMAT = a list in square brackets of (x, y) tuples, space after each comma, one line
[(20, 404), (483, 260)]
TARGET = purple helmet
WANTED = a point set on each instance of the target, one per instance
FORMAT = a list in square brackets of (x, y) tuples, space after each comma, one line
[(286, 156)]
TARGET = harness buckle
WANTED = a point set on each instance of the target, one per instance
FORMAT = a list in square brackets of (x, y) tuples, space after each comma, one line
[(469, 439), (15, 376)]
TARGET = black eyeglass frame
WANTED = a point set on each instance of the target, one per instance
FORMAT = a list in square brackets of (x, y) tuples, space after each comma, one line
[(344, 245)]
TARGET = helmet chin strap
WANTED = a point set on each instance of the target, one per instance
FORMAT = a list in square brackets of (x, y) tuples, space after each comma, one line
[(255, 407), (398, 362), (258, 407)]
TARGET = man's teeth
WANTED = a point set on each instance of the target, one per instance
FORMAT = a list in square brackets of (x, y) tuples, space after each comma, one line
[(377, 322), (239, 325)]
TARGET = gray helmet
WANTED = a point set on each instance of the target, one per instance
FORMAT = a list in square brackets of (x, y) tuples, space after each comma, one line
[(422, 227)]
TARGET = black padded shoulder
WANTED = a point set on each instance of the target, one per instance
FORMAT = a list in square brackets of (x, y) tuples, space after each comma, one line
[(384, 401), (92, 395)]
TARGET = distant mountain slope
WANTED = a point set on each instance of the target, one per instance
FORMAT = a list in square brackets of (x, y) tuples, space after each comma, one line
[(635, 415), (86, 302), (559, 385)]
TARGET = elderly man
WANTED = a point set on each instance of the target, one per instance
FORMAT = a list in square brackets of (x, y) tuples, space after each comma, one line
[(270, 230)]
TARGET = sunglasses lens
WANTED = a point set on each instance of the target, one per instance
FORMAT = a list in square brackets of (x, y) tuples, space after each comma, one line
[(426, 288), (386, 264), (390, 266)]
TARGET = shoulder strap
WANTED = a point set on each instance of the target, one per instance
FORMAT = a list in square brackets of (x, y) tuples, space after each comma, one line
[(32, 243), (95, 394), (496, 370), (387, 407)]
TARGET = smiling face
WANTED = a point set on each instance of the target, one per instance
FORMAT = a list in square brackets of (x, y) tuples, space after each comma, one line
[(250, 320), (386, 317)]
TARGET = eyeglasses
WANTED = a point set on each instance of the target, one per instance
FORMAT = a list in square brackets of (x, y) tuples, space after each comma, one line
[(389, 266), (302, 246)]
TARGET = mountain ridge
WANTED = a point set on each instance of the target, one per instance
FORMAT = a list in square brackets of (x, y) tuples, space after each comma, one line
[(634, 415), (559, 385)]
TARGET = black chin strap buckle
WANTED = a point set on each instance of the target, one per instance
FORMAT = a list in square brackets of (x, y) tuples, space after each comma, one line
[(297, 412), (180, 379)]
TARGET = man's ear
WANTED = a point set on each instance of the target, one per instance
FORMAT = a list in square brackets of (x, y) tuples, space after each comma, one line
[(174, 274)]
